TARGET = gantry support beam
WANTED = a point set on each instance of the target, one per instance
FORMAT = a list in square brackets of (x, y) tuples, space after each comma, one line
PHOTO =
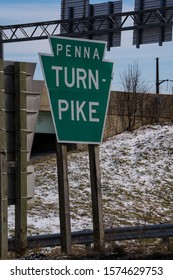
[(78, 27)]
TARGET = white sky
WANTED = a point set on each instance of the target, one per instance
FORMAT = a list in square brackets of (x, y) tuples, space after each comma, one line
[(13, 12)]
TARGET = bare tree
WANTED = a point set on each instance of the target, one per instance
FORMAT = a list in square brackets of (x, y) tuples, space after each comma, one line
[(134, 90), (131, 79)]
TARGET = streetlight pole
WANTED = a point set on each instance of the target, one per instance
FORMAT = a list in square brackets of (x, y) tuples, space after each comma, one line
[(158, 82), (157, 75)]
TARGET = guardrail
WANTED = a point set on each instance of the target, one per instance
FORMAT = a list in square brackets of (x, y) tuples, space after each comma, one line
[(113, 234)]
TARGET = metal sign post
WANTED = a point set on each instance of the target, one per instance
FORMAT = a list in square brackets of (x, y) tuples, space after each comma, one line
[(64, 205), (98, 227)]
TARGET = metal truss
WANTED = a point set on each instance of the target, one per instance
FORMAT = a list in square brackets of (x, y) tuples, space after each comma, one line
[(88, 26)]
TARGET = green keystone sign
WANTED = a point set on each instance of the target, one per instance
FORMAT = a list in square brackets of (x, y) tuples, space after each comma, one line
[(78, 82)]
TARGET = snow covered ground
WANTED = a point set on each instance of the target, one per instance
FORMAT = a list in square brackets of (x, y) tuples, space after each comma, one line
[(137, 183)]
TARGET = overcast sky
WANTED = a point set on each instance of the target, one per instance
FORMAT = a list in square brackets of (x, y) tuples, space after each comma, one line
[(19, 11)]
